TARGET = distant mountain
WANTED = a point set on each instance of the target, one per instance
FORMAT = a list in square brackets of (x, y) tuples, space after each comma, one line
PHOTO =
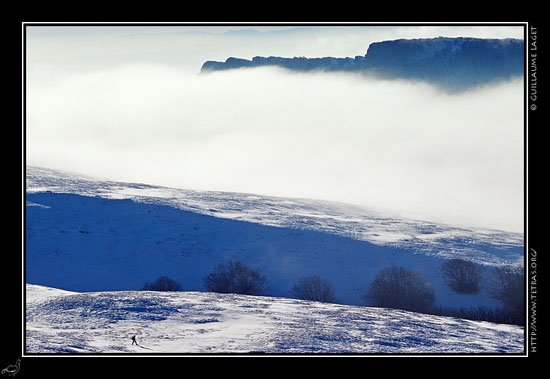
[(455, 64)]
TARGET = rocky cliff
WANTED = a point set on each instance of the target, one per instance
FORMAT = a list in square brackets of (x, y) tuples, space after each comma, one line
[(451, 63)]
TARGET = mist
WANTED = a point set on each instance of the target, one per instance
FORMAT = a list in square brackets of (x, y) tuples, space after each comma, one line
[(397, 145)]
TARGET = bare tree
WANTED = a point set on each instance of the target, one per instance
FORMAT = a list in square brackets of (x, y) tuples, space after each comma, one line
[(462, 276), (509, 287), (163, 283), (235, 277), (399, 288), (314, 288)]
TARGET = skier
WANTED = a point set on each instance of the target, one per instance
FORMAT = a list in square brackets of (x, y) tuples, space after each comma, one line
[(134, 340)]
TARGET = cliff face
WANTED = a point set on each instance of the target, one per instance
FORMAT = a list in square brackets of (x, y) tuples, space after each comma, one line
[(452, 63), (295, 64), (456, 63)]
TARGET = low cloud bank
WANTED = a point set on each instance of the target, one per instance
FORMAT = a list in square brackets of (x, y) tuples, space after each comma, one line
[(386, 144)]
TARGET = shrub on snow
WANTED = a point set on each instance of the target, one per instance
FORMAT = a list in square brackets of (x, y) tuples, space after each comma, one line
[(399, 288), (314, 288), (164, 283), (235, 277), (462, 276)]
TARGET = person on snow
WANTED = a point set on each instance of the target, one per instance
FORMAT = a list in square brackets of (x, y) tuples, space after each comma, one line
[(134, 340)]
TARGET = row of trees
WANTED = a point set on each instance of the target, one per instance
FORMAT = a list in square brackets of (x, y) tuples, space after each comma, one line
[(393, 287), (236, 277), (399, 288), (507, 286)]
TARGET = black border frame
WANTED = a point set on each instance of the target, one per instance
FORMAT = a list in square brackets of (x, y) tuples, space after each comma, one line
[(25, 24)]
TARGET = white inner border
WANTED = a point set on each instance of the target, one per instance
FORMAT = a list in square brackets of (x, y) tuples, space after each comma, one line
[(526, 193)]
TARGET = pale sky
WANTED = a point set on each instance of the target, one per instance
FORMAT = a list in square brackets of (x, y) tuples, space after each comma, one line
[(127, 103)]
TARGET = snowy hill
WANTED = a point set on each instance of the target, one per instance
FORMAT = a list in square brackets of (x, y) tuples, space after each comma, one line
[(89, 235), (189, 322)]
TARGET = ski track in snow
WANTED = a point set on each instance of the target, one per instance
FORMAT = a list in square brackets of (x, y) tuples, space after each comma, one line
[(191, 322), (489, 247)]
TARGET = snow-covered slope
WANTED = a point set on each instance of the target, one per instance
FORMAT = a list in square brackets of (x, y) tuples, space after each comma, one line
[(481, 245), (191, 322), (89, 235)]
